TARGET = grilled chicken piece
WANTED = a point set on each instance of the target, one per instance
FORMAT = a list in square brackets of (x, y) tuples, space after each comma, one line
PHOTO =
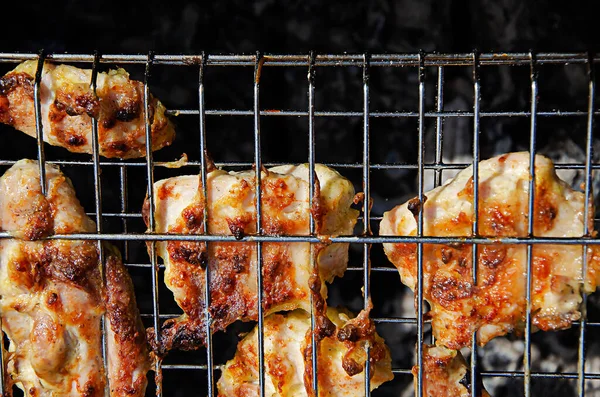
[(68, 105), (496, 305), (287, 271), (53, 297), (446, 374), (288, 358)]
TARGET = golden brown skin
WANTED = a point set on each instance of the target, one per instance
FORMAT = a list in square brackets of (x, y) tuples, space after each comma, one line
[(287, 272), (446, 374), (53, 296), (497, 304), (288, 366), (68, 105)]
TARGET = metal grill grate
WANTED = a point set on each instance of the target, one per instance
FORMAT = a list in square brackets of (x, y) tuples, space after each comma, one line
[(365, 238)]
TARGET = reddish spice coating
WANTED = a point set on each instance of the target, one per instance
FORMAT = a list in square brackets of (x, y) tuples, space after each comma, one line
[(355, 333), (286, 272), (129, 333), (496, 304), (317, 211), (445, 374), (117, 105), (57, 283), (77, 102), (11, 81), (40, 220)]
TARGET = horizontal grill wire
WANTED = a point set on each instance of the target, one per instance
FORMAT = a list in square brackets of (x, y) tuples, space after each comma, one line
[(311, 61), (391, 60)]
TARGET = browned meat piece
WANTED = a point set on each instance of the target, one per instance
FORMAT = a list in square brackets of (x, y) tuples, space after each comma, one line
[(497, 304), (446, 374), (52, 297), (288, 372), (286, 266), (68, 104)]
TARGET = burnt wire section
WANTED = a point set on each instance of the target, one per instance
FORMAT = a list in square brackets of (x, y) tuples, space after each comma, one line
[(396, 125)]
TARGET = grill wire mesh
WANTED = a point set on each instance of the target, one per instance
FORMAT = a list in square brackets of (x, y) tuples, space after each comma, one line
[(115, 189)]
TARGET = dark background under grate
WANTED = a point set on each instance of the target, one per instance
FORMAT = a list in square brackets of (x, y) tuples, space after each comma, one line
[(297, 27), (339, 132)]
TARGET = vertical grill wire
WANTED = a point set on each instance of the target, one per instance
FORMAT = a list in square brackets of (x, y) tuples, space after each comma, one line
[(151, 221), (420, 196), (124, 199), (98, 204), (2, 362), (530, 224), (366, 180), (586, 230), (439, 140), (39, 128), (258, 197), (204, 181), (475, 225), (311, 183)]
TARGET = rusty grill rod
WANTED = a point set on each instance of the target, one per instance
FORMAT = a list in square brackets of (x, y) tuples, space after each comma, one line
[(98, 206), (314, 239), (420, 196), (586, 227), (151, 221), (366, 182), (386, 60), (530, 226), (203, 180), (258, 62), (475, 229), (311, 182)]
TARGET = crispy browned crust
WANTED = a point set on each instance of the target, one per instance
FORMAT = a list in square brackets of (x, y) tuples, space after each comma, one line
[(128, 333), (42, 269), (341, 358), (232, 264), (446, 374), (354, 334), (59, 284), (230, 300), (68, 119), (458, 306)]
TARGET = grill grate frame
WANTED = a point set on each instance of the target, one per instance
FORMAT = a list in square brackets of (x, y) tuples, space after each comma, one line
[(366, 239)]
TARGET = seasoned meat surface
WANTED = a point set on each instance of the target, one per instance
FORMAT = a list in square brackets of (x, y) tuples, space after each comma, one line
[(288, 355), (496, 305), (52, 296), (446, 374), (68, 105), (287, 272)]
